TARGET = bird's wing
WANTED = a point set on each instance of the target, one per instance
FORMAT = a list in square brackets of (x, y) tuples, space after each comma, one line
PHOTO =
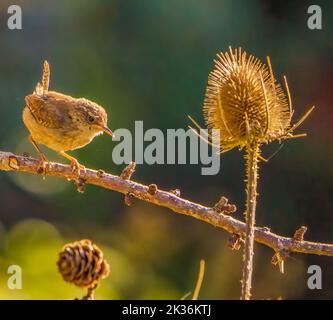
[(48, 111)]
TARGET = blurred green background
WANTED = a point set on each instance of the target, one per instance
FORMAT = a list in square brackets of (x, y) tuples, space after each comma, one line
[(149, 60)]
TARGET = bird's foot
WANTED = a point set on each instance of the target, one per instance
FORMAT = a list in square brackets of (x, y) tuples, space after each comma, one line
[(42, 162), (77, 167)]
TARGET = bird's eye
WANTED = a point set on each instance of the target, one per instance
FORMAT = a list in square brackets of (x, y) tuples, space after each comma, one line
[(91, 119)]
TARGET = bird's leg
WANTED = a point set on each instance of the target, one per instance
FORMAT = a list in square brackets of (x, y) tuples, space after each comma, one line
[(76, 166), (42, 159)]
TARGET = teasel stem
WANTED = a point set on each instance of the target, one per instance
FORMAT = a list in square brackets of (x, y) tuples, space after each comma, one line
[(252, 156)]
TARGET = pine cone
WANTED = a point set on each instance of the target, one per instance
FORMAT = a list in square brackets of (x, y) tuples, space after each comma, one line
[(82, 263)]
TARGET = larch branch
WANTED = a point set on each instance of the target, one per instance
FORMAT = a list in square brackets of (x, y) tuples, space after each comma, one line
[(263, 235)]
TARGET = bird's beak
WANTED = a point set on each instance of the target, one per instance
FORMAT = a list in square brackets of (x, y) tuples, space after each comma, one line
[(108, 131)]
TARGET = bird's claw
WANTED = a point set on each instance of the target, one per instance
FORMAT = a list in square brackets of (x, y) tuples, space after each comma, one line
[(77, 167), (42, 162)]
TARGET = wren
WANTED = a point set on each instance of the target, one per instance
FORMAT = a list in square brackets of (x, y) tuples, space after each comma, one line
[(61, 122)]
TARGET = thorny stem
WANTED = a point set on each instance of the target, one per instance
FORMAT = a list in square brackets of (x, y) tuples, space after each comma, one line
[(250, 216)]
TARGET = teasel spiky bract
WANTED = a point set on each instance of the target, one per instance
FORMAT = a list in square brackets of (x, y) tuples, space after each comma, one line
[(245, 104)]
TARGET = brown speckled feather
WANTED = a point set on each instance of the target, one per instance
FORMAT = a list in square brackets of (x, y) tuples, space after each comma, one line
[(51, 110)]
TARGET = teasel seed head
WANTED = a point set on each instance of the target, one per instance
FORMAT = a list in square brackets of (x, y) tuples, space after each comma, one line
[(245, 103)]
